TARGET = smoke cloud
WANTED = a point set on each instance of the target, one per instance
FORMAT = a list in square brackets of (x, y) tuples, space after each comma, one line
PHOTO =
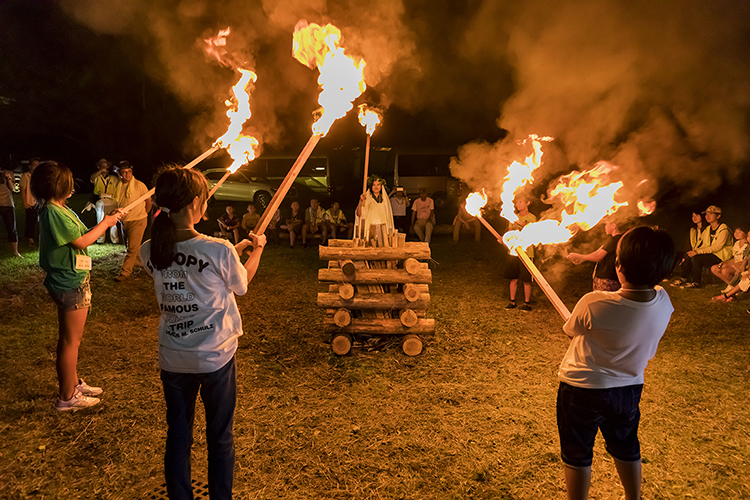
[(661, 89), (285, 94)]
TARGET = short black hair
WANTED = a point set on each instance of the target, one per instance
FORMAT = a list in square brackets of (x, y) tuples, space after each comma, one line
[(645, 256), (52, 181)]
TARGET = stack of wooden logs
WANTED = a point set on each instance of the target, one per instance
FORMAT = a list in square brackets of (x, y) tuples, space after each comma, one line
[(376, 288)]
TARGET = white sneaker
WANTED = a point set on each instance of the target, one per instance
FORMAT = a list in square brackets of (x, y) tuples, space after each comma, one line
[(77, 402), (727, 289), (87, 390)]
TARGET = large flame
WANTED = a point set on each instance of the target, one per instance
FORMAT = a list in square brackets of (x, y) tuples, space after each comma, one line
[(475, 202), (582, 198), (646, 207), (241, 148), (368, 118), (519, 175), (341, 78)]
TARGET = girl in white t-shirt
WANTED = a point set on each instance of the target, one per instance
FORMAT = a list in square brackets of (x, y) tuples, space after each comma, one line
[(196, 278), (728, 271)]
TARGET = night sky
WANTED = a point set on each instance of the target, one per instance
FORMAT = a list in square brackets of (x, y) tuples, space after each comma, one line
[(661, 89)]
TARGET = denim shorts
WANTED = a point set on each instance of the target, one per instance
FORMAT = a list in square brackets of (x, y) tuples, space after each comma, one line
[(71, 300), (582, 412)]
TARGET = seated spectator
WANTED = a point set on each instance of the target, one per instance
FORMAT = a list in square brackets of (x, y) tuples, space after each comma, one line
[(714, 246), (336, 221), (727, 271), (250, 219), (314, 222), (735, 291), (229, 225), (605, 272), (272, 231), (464, 220), (399, 207), (423, 216), (293, 223)]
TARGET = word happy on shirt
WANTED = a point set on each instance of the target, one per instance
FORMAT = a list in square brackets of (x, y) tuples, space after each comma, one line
[(176, 299)]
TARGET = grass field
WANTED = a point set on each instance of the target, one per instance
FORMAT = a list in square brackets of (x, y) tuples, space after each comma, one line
[(472, 417)]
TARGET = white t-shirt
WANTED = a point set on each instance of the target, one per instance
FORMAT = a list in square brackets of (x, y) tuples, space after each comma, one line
[(423, 208), (200, 323), (613, 339), (128, 192), (738, 251), (399, 205)]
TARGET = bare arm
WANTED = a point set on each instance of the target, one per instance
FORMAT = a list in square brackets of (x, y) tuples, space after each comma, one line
[(595, 256), (257, 243), (83, 242)]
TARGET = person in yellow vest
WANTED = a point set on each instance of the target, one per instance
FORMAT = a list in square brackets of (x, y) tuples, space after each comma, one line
[(105, 181), (135, 221), (336, 221)]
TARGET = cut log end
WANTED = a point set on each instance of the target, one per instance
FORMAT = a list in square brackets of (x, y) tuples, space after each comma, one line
[(343, 317), (348, 267), (411, 292), (341, 343), (346, 291), (412, 265), (408, 317), (411, 345)]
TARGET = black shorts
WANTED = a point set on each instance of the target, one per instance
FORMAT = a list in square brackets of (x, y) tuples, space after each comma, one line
[(514, 269), (581, 412)]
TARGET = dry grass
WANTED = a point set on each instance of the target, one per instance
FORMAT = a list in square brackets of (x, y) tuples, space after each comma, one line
[(472, 417)]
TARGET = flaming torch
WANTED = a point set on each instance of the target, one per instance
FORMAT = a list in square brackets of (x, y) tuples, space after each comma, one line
[(474, 203), (241, 148), (341, 81), (368, 118)]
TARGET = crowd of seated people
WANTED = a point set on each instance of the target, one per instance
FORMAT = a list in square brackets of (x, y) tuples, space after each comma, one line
[(714, 247)]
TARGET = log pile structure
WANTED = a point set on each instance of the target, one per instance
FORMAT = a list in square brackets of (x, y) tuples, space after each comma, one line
[(376, 289)]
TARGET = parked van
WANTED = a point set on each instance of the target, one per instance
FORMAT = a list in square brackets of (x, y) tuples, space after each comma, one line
[(311, 182), (430, 170)]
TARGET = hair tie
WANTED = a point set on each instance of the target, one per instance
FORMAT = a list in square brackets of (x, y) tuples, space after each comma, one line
[(165, 210)]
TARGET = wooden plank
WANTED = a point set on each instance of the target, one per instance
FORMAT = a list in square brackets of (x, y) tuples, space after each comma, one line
[(280, 193), (381, 326), (374, 253), (376, 276), (332, 300), (340, 243)]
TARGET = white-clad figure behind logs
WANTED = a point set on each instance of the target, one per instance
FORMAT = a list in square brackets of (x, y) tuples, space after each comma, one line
[(373, 210)]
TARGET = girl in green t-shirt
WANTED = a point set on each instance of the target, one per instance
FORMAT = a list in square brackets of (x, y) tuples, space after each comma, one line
[(62, 254)]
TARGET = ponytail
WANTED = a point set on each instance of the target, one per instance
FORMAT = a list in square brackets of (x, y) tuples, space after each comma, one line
[(175, 189)]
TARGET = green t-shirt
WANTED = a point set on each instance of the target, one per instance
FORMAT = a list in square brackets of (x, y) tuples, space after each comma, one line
[(58, 227)]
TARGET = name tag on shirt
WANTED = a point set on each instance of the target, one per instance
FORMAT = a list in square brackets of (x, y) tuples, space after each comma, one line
[(83, 262), (106, 196)]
